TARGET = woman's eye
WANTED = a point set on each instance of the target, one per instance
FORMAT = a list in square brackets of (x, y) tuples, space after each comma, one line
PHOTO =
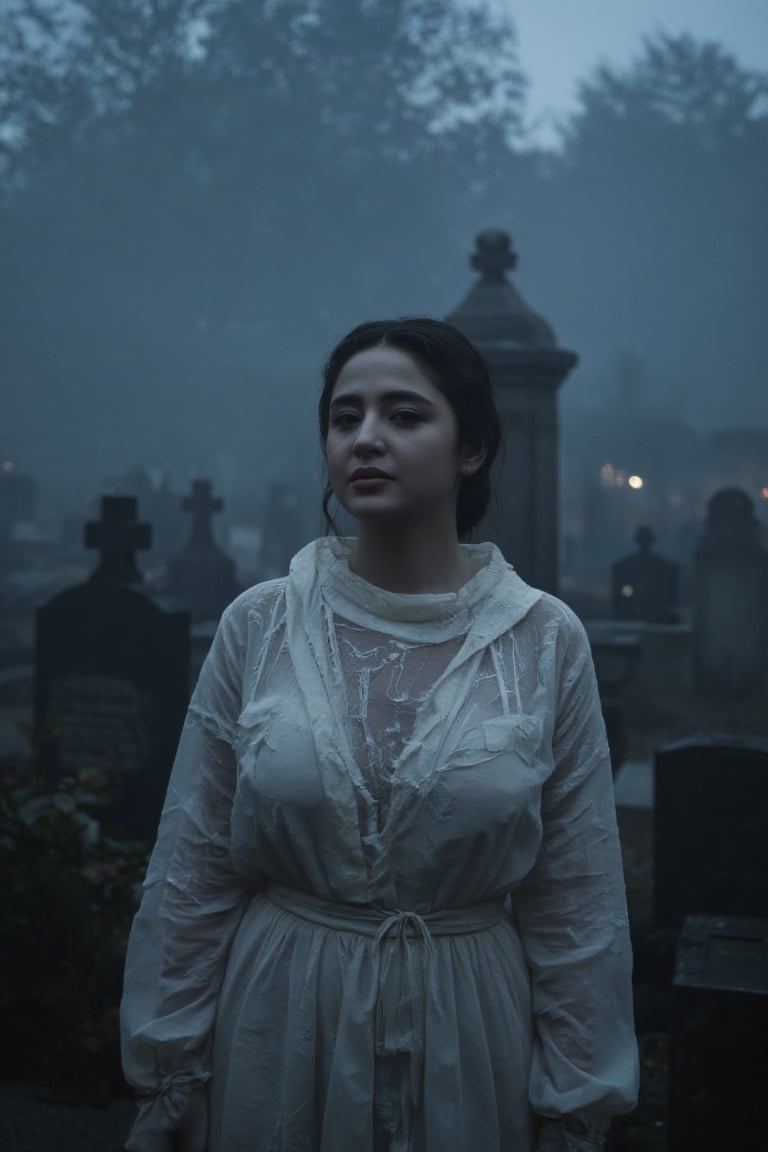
[(406, 416), (344, 419)]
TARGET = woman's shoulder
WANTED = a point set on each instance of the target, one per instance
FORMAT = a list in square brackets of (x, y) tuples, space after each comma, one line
[(258, 604), (551, 616)]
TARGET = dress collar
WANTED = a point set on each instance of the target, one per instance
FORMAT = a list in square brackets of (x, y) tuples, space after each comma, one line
[(495, 585)]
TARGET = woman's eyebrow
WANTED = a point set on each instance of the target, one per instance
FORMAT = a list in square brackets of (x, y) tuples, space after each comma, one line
[(395, 396)]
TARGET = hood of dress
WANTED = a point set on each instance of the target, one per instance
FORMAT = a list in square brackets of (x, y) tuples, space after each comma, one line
[(491, 601)]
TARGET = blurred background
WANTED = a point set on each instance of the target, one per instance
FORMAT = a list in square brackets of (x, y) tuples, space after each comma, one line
[(197, 197)]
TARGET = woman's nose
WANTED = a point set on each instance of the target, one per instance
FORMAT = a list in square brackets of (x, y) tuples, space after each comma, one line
[(368, 437)]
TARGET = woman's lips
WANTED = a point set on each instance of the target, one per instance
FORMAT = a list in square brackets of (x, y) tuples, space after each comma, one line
[(363, 482), (365, 478)]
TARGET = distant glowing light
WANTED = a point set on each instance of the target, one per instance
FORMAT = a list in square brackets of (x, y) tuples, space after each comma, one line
[(627, 590), (764, 493), (8, 466), (612, 477)]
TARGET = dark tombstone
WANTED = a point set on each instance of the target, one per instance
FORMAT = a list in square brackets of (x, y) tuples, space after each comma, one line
[(730, 601), (202, 577), (112, 677), (719, 1036), (281, 539), (644, 586), (710, 828)]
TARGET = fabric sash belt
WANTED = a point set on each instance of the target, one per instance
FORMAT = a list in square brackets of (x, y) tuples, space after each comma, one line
[(404, 974), (381, 922)]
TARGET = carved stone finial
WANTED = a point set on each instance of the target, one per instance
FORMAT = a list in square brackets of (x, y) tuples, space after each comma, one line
[(495, 255)]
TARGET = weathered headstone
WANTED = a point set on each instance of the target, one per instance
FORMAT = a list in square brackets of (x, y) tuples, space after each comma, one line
[(112, 676), (644, 586), (281, 539), (710, 828), (730, 601), (202, 577), (719, 1036)]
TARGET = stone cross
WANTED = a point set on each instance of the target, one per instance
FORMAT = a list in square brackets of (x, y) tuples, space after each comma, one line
[(202, 505), (118, 535)]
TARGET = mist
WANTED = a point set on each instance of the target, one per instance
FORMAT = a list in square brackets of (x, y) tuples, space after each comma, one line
[(194, 209)]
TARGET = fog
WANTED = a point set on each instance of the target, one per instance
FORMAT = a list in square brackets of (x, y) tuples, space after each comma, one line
[(196, 204)]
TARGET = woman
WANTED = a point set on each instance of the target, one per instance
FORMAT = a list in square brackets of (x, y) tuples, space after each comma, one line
[(385, 910)]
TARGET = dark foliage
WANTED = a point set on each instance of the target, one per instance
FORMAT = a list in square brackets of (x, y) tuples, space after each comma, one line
[(67, 897)]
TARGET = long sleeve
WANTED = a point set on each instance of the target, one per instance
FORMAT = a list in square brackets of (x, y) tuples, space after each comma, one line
[(191, 905), (571, 911)]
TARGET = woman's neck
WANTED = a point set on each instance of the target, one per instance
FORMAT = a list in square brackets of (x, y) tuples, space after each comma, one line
[(410, 562)]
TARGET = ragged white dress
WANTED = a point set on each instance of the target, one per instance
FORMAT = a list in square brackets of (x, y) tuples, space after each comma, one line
[(386, 909)]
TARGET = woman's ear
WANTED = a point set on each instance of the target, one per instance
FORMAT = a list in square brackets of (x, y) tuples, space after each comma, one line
[(471, 459)]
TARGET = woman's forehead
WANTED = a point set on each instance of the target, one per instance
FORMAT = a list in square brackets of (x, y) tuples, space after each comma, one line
[(383, 368)]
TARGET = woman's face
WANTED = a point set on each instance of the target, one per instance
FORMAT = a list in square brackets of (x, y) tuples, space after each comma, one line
[(392, 443)]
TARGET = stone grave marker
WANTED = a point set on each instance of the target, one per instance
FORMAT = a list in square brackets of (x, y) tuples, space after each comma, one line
[(201, 576), (282, 538), (644, 586), (710, 828), (719, 1035), (112, 676), (730, 601)]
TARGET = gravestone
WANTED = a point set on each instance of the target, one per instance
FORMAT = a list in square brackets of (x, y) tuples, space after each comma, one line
[(281, 538), (112, 677), (730, 601), (202, 577), (719, 1036), (710, 828), (644, 586)]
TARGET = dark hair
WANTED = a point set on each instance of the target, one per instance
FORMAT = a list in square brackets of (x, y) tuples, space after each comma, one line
[(455, 367)]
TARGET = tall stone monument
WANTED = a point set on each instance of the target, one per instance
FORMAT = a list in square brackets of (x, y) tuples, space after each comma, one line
[(527, 368)]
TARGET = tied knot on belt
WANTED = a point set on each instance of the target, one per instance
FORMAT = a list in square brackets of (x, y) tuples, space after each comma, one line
[(405, 959), (404, 973)]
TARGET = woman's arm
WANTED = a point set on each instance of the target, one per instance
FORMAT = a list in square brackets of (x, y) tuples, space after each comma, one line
[(572, 914), (191, 905)]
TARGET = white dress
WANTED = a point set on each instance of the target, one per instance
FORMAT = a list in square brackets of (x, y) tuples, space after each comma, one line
[(386, 908)]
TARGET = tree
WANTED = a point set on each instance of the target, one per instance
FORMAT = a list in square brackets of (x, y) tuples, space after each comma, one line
[(217, 207), (659, 220), (697, 90)]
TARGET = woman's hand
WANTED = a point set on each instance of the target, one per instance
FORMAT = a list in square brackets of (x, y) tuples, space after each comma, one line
[(191, 1134)]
